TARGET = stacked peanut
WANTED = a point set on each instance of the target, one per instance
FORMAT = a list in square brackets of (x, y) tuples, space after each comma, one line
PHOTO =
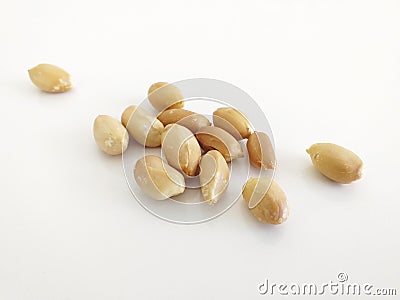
[(184, 136)]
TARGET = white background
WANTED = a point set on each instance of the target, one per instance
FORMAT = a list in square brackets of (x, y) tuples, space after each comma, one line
[(321, 71)]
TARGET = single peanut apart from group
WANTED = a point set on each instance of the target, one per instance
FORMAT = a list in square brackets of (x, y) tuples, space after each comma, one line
[(336, 162), (50, 78)]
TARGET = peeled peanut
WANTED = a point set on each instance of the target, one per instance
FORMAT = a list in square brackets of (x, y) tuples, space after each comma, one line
[(211, 137), (157, 179), (50, 78), (163, 95), (260, 150), (110, 135), (269, 200), (232, 121), (189, 119), (335, 162), (214, 176), (142, 126), (181, 148)]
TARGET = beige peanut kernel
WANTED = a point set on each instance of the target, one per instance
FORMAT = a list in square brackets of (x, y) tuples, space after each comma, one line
[(232, 121), (269, 200), (142, 126), (260, 151), (50, 78), (211, 138), (191, 120), (163, 95), (336, 162), (157, 179), (110, 135), (214, 176)]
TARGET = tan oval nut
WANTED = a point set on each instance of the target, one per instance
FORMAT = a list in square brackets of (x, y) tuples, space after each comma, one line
[(214, 176), (272, 207), (157, 179), (181, 148), (110, 135), (260, 150), (163, 95), (142, 126), (335, 162), (50, 78), (211, 137), (232, 121), (186, 118)]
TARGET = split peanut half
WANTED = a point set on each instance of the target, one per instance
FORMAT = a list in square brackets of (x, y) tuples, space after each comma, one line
[(163, 95), (232, 121), (110, 135), (269, 199), (214, 176), (211, 137), (260, 151), (191, 120), (181, 148), (142, 126), (157, 179)]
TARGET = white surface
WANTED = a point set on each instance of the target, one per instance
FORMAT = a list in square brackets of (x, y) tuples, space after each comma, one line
[(321, 70)]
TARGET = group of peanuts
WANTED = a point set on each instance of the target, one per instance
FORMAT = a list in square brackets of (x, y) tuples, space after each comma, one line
[(185, 135)]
